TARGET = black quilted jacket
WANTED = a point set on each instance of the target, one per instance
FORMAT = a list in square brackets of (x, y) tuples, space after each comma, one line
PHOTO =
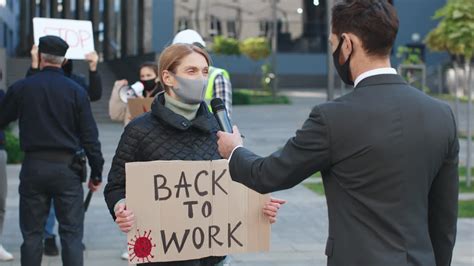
[(163, 135)]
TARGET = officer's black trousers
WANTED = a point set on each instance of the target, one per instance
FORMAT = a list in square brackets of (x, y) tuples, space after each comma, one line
[(41, 181)]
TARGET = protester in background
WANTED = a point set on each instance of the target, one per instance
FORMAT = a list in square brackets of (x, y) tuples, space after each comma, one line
[(118, 110), (179, 116), (4, 255)]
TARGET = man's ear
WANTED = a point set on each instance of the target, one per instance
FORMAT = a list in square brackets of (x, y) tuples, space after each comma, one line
[(347, 45)]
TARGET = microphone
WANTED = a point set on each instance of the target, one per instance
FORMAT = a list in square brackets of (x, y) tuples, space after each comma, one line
[(220, 113)]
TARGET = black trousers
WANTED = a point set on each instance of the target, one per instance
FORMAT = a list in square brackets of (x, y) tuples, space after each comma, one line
[(41, 181)]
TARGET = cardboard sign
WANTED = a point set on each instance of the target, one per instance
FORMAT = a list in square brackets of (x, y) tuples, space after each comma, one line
[(192, 209), (138, 106), (77, 33)]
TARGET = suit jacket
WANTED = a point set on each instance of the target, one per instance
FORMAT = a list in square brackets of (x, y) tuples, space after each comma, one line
[(388, 155)]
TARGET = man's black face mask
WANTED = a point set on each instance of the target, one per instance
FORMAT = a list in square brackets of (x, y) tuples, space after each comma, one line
[(343, 70)]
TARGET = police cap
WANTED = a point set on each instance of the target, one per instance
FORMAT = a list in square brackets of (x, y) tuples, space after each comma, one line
[(52, 45)]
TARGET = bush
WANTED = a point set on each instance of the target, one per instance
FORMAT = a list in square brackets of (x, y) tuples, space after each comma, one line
[(12, 146), (257, 48), (225, 46)]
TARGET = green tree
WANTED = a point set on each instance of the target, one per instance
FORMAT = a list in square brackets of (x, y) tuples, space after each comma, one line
[(455, 31), (258, 48), (455, 35)]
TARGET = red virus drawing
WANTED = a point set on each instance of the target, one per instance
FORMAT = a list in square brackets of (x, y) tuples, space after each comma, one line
[(140, 247)]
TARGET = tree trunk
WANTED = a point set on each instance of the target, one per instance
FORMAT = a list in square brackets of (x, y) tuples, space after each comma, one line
[(274, 87), (467, 81), (456, 98)]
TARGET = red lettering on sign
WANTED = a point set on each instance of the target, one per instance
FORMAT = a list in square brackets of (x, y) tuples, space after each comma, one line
[(75, 38)]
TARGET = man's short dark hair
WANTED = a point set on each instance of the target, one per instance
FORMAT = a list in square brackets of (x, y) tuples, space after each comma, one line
[(375, 22)]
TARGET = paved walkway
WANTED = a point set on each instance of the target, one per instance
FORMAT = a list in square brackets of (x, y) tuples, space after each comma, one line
[(298, 238)]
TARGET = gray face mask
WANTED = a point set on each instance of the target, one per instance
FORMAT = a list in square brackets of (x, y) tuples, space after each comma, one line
[(190, 91)]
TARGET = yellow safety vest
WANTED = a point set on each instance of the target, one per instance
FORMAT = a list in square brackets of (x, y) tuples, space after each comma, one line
[(213, 73)]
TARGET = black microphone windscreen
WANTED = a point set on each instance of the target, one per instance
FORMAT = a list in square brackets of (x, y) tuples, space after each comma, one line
[(217, 105)]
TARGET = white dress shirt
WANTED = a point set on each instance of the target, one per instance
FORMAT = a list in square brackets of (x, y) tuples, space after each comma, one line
[(374, 72)]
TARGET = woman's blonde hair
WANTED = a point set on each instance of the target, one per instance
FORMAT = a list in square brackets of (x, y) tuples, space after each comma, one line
[(171, 58)]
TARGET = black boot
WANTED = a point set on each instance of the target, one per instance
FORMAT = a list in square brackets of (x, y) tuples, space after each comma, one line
[(50, 248)]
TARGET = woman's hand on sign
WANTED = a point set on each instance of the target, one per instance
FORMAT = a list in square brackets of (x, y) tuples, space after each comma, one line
[(270, 209), (125, 218)]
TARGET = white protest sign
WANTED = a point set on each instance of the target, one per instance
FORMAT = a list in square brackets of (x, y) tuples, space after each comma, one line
[(77, 33), (192, 209)]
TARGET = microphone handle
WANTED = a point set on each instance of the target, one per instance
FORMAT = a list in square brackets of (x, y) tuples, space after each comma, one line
[(224, 121)]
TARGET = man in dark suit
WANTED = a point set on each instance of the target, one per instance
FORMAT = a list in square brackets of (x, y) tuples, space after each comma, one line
[(388, 153)]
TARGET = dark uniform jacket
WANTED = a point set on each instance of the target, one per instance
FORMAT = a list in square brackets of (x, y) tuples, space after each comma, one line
[(388, 155), (54, 115), (94, 89)]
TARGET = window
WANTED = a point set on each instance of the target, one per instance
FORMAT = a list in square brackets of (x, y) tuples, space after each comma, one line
[(215, 26), (183, 23), (231, 29), (265, 27)]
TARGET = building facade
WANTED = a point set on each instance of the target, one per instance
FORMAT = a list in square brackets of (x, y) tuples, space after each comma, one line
[(131, 28), (302, 32)]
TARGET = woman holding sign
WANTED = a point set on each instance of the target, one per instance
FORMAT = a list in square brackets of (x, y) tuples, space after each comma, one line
[(179, 127)]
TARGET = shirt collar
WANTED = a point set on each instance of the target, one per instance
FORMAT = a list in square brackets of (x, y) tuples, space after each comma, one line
[(374, 72), (54, 69)]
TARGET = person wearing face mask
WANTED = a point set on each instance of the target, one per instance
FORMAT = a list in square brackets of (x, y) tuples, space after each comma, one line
[(388, 153), (178, 116), (118, 110), (218, 83)]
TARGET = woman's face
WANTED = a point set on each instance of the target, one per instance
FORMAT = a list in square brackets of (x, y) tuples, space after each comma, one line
[(193, 66), (147, 73)]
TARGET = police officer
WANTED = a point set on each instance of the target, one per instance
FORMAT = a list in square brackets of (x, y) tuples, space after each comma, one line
[(55, 121), (94, 90), (218, 83)]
